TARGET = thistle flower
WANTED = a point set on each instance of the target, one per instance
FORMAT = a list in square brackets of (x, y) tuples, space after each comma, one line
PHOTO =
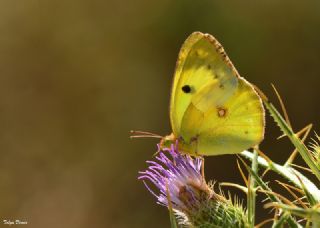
[(182, 187)]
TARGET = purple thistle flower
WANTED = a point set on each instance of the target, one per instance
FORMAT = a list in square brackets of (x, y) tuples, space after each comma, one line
[(178, 179), (181, 186)]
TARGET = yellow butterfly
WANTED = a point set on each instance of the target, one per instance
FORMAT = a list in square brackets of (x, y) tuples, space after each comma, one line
[(212, 109)]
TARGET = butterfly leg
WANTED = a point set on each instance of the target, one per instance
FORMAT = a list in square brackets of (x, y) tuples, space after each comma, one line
[(202, 169), (194, 145)]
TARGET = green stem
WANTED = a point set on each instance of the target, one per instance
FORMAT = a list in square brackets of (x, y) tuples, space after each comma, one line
[(251, 199), (291, 221)]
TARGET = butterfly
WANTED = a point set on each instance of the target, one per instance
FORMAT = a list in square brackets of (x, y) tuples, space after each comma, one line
[(213, 110)]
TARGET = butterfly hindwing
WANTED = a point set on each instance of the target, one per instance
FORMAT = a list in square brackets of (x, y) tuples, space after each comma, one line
[(231, 127)]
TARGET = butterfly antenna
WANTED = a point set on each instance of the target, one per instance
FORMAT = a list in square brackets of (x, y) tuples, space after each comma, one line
[(144, 134)]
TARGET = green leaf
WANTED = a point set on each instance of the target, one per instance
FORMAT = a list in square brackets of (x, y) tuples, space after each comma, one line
[(289, 173), (303, 150), (308, 213)]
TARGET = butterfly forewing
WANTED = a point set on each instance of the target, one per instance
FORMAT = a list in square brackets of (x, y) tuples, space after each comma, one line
[(199, 64)]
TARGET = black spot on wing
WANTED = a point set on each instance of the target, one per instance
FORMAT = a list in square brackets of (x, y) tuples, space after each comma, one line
[(186, 89)]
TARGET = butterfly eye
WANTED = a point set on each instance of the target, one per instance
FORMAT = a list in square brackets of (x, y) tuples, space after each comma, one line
[(186, 89)]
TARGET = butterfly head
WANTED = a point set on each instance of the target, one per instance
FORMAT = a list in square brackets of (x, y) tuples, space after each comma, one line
[(167, 141)]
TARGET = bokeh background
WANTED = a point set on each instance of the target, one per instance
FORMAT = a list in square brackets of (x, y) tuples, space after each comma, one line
[(76, 76)]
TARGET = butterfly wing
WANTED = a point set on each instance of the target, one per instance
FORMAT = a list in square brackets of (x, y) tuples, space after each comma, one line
[(213, 110), (230, 127), (199, 64)]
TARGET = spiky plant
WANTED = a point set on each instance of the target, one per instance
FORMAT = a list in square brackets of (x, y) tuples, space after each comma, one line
[(194, 203)]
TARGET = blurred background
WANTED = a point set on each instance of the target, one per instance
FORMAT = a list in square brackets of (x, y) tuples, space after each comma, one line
[(77, 76)]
